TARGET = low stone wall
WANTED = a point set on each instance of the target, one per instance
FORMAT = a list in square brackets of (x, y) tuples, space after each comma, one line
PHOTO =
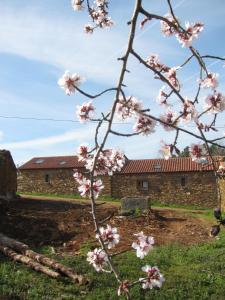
[(8, 176), (60, 182), (199, 189)]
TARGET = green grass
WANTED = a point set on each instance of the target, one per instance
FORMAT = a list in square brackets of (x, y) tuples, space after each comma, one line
[(195, 272), (171, 205)]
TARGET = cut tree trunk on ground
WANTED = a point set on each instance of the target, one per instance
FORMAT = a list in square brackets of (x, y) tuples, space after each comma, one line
[(28, 261), (24, 249)]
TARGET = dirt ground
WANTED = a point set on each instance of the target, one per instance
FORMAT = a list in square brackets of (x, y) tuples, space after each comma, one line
[(67, 225)]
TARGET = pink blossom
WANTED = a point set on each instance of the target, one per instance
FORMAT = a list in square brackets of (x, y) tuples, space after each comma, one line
[(127, 107), (210, 81), (154, 62), (198, 153), (85, 187), (78, 177), (101, 2), (77, 4), (88, 28), (98, 259), (162, 97), (82, 152), (191, 32), (167, 29), (100, 17), (154, 278), (169, 118), (144, 125), (143, 244), (108, 162), (166, 151), (215, 103), (123, 288), (85, 111), (172, 77), (189, 112), (109, 236), (68, 82)]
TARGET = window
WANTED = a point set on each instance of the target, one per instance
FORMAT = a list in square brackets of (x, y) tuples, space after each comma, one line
[(39, 161), (47, 178), (183, 181), (143, 185), (157, 167)]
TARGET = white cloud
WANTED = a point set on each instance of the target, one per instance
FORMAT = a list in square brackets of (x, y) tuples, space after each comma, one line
[(82, 135)]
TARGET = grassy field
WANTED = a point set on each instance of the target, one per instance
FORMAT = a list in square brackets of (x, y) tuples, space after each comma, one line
[(195, 272)]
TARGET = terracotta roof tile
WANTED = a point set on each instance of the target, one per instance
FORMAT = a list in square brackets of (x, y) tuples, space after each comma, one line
[(56, 162), (181, 164)]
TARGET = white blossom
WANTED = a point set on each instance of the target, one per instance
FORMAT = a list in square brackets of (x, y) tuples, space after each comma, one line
[(189, 112), (191, 32), (109, 236), (97, 259), (68, 82), (143, 244), (166, 151), (77, 4), (128, 107), (144, 125), (215, 103), (88, 28), (210, 81), (154, 278), (85, 112), (172, 77), (85, 187), (198, 152), (108, 162), (169, 118), (82, 152), (167, 29)]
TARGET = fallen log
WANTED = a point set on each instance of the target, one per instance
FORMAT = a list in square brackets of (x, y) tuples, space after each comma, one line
[(28, 261), (26, 251)]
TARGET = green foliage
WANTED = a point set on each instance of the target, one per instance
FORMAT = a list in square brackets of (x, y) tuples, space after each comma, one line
[(195, 272)]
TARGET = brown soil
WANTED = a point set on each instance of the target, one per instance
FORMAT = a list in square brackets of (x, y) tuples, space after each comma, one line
[(67, 225)]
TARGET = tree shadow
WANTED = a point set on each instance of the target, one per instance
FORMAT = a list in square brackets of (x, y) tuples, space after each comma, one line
[(38, 223)]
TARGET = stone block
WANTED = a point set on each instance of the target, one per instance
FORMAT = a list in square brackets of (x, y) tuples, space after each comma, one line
[(133, 203)]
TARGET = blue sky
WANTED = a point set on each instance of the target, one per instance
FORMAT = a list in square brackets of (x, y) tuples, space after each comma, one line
[(41, 39)]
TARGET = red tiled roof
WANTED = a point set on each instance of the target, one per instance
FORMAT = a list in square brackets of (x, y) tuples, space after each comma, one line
[(180, 164), (56, 162)]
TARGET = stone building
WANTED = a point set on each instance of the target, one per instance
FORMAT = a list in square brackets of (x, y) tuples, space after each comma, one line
[(8, 176), (177, 180), (52, 175)]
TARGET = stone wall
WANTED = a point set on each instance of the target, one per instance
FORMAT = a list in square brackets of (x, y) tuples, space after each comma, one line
[(190, 188), (8, 176), (60, 181), (196, 188)]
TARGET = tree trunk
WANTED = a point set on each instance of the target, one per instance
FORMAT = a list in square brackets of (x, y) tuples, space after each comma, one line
[(28, 261), (24, 249)]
